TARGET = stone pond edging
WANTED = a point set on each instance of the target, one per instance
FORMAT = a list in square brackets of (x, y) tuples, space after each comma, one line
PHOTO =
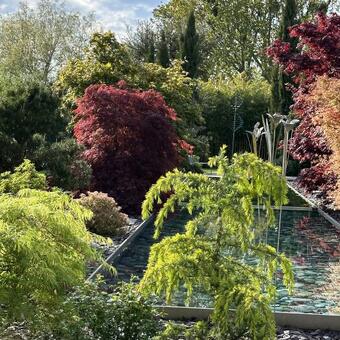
[(122, 247), (283, 319), (329, 218)]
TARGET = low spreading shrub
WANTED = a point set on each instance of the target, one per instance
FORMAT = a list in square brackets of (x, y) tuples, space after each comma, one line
[(90, 313), (180, 330), (107, 220), (44, 248)]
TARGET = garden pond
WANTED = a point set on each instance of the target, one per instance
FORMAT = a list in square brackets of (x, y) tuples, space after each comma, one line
[(309, 240)]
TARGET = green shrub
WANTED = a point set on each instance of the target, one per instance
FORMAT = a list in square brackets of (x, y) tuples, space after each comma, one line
[(62, 163), (180, 93), (181, 330), (26, 110), (107, 220), (44, 248), (25, 176), (89, 313), (104, 61), (218, 100), (11, 152)]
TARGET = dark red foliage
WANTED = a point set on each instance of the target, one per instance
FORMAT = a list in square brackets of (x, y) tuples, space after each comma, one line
[(319, 54), (308, 143), (319, 177), (129, 140), (319, 44)]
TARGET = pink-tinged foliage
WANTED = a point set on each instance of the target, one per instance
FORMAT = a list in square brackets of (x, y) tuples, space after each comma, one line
[(186, 147), (325, 96), (319, 54), (129, 139)]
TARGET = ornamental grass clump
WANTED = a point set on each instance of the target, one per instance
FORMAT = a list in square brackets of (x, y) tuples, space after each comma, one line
[(211, 255), (107, 220)]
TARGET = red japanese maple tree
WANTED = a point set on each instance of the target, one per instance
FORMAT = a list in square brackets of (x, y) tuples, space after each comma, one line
[(129, 139), (319, 49), (319, 54)]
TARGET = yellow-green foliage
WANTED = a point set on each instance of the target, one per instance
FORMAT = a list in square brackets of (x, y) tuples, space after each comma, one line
[(43, 242), (105, 61), (179, 92), (43, 245), (211, 254), (24, 176), (171, 82), (178, 89)]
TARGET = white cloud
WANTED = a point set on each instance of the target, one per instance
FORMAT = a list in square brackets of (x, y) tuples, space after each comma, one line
[(113, 15)]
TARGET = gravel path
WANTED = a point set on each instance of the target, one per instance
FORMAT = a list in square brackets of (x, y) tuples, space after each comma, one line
[(296, 334), (282, 333), (19, 332)]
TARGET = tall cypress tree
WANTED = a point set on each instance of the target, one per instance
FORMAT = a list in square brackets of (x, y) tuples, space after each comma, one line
[(151, 51), (163, 51), (190, 47), (281, 97)]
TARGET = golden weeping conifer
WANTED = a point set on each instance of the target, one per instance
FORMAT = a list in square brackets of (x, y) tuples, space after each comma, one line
[(211, 255)]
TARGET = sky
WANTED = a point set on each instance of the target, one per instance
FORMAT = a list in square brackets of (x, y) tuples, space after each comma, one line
[(113, 15)]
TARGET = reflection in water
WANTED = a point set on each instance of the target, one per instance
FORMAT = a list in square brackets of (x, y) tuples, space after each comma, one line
[(313, 246), (331, 291), (307, 239)]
